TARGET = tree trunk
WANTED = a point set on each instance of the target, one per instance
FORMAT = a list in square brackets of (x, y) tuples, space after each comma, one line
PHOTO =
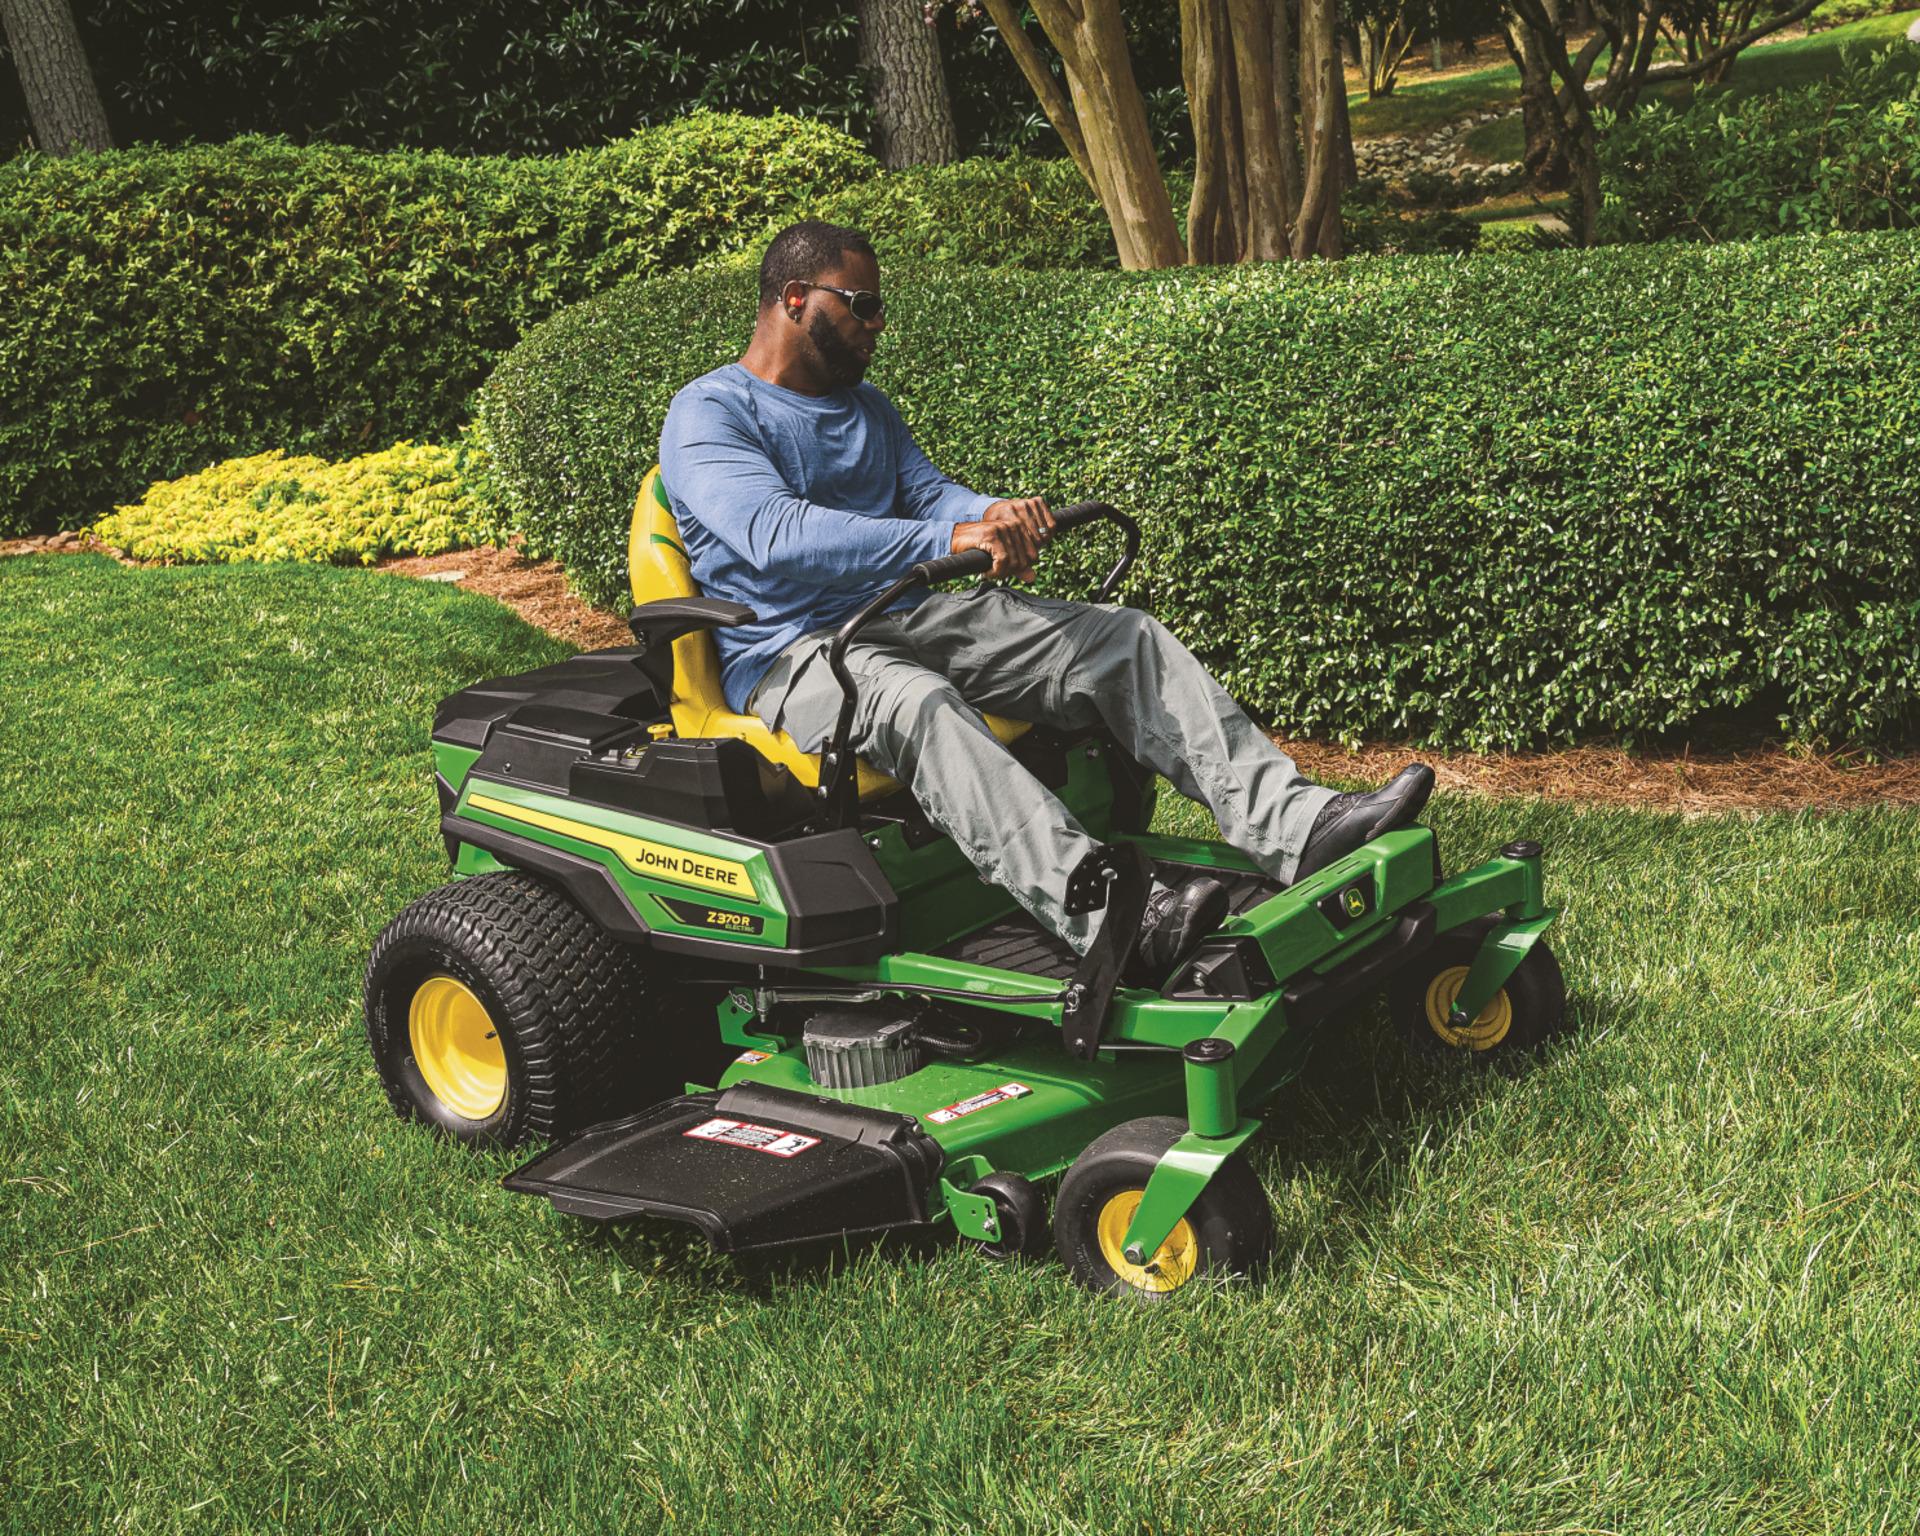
[(1214, 234), (1092, 41), (62, 101), (1269, 191), (1545, 165), (1286, 108), (913, 120), (1053, 100), (1327, 141)]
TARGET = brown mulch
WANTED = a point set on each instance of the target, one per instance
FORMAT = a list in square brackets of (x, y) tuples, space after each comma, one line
[(534, 589), (1688, 780), (1696, 782)]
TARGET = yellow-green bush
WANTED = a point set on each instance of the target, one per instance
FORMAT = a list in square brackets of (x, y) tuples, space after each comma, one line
[(411, 499)]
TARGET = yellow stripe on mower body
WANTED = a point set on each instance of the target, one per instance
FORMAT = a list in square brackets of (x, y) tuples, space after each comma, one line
[(700, 870)]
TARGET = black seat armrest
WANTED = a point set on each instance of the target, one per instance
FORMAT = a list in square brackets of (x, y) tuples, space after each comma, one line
[(661, 623)]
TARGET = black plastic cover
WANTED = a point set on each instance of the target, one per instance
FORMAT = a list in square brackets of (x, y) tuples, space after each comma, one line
[(752, 1167), (721, 784), (607, 683)]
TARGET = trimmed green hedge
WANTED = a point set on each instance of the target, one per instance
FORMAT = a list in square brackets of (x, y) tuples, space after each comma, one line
[(1491, 501), (1016, 212), (169, 308)]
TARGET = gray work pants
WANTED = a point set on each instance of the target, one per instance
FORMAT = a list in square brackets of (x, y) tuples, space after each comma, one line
[(926, 675)]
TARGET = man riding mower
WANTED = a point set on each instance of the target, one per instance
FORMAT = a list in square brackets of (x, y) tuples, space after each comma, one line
[(945, 957)]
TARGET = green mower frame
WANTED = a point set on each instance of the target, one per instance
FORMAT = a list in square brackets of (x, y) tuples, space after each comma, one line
[(720, 921)]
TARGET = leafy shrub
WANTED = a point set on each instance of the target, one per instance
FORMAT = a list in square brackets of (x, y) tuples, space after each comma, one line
[(1841, 154), (408, 500), (471, 76), (169, 308), (1017, 212), (532, 77), (1377, 221), (1676, 486)]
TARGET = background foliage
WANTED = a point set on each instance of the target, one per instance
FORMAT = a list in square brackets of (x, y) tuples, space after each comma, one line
[(1026, 212), (179, 306), (525, 76), (1843, 153), (1678, 487)]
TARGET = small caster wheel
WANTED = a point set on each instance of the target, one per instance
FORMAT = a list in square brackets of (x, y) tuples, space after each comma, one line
[(1228, 1231), (1021, 1213), (1529, 1010)]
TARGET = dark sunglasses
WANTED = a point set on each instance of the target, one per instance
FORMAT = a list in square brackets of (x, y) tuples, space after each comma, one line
[(863, 306)]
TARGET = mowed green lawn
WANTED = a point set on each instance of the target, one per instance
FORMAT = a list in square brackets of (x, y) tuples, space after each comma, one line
[(1668, 1280)]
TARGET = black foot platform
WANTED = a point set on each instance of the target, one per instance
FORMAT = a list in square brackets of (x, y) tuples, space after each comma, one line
[(1019, 943)]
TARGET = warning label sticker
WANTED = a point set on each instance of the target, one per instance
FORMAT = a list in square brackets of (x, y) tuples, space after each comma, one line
[(979, 1102), (748, 1058), (762, 1138)]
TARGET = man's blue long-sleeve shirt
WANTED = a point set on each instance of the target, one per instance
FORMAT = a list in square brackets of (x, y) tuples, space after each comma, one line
[(800, 506)]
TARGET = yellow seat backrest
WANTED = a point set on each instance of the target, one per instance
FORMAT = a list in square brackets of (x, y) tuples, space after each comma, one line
[(659, 568)]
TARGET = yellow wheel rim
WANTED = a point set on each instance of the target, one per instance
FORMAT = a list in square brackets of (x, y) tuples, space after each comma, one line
[(1486, 1031), (1169, 1268), (457, 1048)]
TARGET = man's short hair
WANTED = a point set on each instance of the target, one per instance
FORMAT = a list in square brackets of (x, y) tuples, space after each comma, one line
[(803, 251)]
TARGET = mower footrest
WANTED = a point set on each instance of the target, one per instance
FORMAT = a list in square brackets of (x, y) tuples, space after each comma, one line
[(752, 1167)]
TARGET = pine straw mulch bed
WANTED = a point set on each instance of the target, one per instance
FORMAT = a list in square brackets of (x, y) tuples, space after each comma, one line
[(1687, 780)]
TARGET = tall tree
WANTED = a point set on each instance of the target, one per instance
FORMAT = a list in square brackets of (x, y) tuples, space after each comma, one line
[(1263, 189), (62, 102), (1564, 95), (912, 117)]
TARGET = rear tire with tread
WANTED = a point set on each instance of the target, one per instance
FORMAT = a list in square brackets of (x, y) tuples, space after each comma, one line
[(563, 998)]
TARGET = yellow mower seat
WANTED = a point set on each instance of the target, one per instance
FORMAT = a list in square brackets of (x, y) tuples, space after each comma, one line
[(659, 569)]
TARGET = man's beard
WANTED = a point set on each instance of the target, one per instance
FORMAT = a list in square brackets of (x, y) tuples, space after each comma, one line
[(845, 366)]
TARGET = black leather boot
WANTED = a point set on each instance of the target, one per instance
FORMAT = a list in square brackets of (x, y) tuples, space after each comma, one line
[(1347, 821), (1177, 918)]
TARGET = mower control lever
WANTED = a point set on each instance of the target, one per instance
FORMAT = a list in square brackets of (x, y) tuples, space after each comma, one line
[(1090, 511), (837, 776), (969, 562)]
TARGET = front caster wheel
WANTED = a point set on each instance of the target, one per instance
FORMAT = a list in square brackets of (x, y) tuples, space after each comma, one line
[(1021, 1214), (498, 1013), (1228, 1230), (1529, 1010)]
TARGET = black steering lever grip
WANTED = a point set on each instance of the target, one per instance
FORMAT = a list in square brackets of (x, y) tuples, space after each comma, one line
[(944, 568)]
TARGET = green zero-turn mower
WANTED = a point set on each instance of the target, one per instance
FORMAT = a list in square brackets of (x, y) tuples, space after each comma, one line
[(652, 889)]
